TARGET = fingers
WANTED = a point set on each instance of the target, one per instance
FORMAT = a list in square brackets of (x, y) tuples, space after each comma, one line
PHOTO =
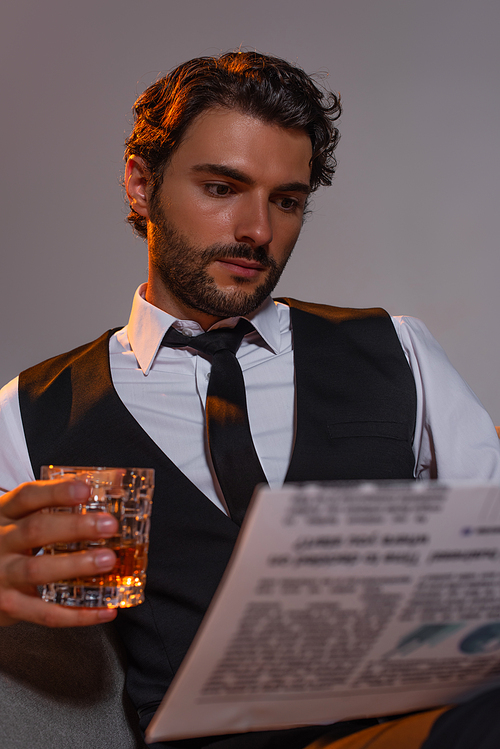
[(28, 498), (23, 526), (40, 529), (17, 606), (23, 571)]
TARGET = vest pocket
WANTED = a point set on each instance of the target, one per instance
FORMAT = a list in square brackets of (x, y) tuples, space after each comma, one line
[(394, 430)]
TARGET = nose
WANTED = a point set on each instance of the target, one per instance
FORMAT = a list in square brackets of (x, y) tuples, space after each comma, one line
[(253, 225)]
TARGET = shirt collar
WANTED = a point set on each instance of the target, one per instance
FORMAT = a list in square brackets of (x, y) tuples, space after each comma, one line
[(148, 324)]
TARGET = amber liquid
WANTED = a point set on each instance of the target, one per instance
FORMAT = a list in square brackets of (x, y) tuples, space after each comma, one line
[(123, 586), (131, 562)]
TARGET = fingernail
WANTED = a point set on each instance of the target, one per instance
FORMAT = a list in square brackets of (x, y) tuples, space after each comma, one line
[(105, 525), (106, 615), (104, 559)]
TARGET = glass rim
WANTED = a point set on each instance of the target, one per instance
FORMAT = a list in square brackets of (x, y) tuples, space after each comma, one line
[(147, 474)]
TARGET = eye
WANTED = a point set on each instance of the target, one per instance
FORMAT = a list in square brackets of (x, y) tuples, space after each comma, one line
[(287, 204), (218, 189)]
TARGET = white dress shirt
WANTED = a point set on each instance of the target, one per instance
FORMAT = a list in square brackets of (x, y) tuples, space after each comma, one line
[(165, 390)]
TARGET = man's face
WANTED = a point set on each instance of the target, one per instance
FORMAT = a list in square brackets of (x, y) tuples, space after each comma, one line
[(227, 215)]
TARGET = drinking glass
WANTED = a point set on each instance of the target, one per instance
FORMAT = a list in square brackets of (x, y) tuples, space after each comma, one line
[(125, 493)]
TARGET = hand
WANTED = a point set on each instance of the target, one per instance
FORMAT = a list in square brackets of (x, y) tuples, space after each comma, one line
[(23, 527)]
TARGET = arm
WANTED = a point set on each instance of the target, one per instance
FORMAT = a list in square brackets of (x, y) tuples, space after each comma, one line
[(23, 527), (454, 436)]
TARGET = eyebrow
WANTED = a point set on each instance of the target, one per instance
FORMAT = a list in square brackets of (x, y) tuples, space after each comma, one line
[(232, 173)]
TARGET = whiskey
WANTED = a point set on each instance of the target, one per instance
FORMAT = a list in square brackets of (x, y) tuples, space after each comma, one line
[(125, 493), (121, 587)]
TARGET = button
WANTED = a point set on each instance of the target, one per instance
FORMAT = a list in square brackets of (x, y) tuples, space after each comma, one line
[(188, 332), (207, 375)]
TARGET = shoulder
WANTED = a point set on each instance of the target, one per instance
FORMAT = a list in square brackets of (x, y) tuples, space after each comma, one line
[(412, 329), (8, 393), (36, 378), (417, 341), (15, 466), (66, 358), (332, 313)]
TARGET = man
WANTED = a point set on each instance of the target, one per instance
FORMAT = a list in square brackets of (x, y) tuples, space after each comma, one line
[(219, 167)]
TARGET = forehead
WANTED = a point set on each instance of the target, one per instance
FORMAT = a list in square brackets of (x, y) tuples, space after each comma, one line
[(264, 151)]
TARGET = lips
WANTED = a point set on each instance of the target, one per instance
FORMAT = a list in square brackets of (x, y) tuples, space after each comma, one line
[(243, 263), (241, 267)]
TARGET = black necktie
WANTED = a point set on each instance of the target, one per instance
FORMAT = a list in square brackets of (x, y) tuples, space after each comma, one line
[(231, 446)]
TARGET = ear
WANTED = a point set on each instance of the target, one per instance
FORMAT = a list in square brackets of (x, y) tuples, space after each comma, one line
[(136, 182)]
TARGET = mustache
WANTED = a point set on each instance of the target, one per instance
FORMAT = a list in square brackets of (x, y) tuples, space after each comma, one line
[(243, 251)]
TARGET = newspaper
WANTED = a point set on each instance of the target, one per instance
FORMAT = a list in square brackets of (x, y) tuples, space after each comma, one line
[(345, 601)]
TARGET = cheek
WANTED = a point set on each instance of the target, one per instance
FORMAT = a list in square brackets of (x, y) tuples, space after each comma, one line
[(203, 218), (287, 235), (212, 228)]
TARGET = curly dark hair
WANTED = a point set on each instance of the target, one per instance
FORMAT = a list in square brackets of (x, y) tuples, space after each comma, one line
[(263, 86)]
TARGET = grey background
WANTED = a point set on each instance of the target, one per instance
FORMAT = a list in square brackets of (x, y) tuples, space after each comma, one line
[(410, 224)]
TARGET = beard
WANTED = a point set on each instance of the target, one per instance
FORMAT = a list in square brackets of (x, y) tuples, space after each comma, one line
[(182, 267)]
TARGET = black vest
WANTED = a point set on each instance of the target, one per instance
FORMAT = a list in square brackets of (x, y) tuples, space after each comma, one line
[(355, 417)]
